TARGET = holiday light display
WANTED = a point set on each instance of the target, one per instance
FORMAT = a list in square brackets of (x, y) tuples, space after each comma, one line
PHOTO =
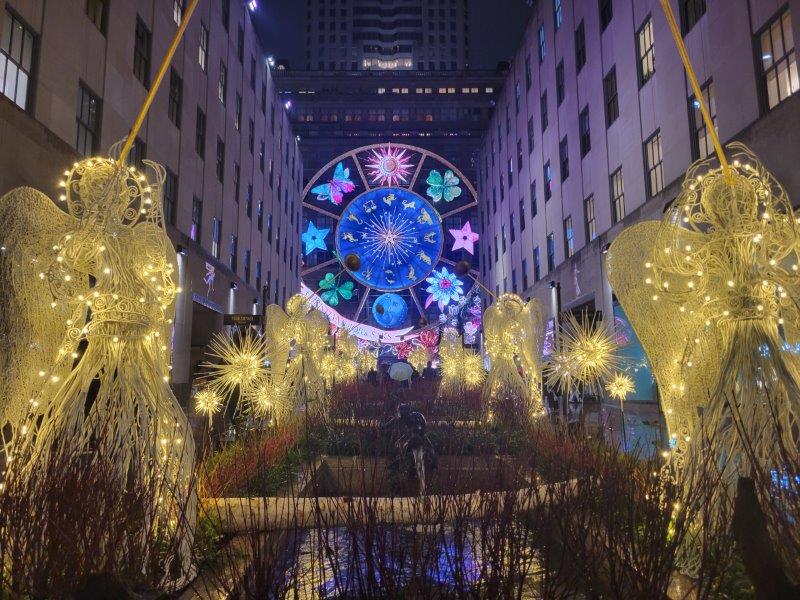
[(314, 239), (389, 166), (418, 358), (208, 402), (513, 341), (336, 188), (620, 386), (109, 266), (464, 238), (237, 364), (461, 369)]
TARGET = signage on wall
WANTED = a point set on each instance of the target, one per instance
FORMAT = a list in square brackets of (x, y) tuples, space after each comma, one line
[(242, 319)]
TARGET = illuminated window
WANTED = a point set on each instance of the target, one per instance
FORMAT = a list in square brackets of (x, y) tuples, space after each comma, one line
[(591, 224), (558, 13), (548, 181), (617, 196), (222, 86), (569, 237), (644, 46), (653, 163), (216, 234), (202, 51), (778, 63), (197, 219), (702, 145), (542, 44), (177, 11)]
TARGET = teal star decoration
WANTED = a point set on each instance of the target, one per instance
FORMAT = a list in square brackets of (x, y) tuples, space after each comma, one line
[(314, 238)]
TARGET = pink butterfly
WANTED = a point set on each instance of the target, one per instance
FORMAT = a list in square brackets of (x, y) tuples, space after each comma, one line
[(337, 188)]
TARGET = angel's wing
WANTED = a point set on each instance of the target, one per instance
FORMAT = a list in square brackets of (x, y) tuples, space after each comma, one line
[(31, 331)]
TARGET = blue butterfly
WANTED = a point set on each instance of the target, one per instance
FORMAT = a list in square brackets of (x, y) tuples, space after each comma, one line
[(337, 187)]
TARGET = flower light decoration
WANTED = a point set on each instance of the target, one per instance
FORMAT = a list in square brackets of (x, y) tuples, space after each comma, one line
[(587, 357), (207, 401), (108, 267), (513, 341), (444, 287), (620, 386), (461, 368), (418, 358), (716, 279), (389, 166)]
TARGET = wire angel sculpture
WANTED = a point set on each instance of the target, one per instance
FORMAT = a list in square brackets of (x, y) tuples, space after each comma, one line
[(101, 305), (513, 341), (712, 292)]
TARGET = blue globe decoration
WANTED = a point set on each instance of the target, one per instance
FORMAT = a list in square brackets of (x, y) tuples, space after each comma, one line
[(390, 311), (396, 234)]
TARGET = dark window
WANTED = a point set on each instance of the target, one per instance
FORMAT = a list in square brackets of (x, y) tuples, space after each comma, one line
[(542, 44), (610, 96), (702, 145), (530, 135), (247, 266), (141, 52), (563, 157), (236, 175), (534, 206), (264, 98), (237, 112), (645, 52), (216, 237), (503, 237), (585, 132), (537, 267), (97, 11), (200, 133), (524, 274), (551, 252), (543, 110), (170, 197), (175, 97), (510, 173), (606, 14), (560, 83), (240, 44), (234, 253), (226, 13), (522, 214), (137, 154), (248, 201), (261, 157), (197, 219), (517, 97), (220, 167), (691, 11), (202, 51), (269, 228), (778, 63), (519, 155), (528, 76), (222, 87), (258, 274), (617, 196), (251, 132), (260, 215), (253, 73), (548, 181), (653, 164), (580, 47), (513, 228), (513, 280), (589, 219), (88, 121), (569, 237)]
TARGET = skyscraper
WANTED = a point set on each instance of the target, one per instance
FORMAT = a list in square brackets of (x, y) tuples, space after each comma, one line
[(350, 35)]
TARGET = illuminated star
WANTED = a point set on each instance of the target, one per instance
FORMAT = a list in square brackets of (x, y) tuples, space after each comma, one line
[(464, 238), (314, 238)]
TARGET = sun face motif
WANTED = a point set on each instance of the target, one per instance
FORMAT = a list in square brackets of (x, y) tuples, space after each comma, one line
[(389, 166)]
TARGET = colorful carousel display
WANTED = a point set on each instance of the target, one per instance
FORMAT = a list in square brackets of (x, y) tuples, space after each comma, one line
[(390, 249)]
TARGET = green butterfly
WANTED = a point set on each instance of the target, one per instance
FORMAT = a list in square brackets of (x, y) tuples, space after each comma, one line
[(443, 187), (332, 291)]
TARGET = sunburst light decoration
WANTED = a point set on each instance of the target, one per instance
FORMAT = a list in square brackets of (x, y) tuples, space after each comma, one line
[(588, 356), (620, 386), (208, 402), (238, 364), (389, 165), (386, 269), (513, 330)]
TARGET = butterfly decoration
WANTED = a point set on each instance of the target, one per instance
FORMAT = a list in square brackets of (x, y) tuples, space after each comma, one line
[(332, 290), (337, 187)]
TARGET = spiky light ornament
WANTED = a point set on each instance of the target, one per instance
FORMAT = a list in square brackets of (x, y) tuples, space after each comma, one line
[(389, 166), (513, 341), (207, 402), (587, 356), (712, 292), (418, 358), (108, 266), (620, 386), (461, 369), (238, 363), (366, 361)]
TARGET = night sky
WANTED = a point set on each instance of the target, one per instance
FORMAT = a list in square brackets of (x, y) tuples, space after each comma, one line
[(496, 28)]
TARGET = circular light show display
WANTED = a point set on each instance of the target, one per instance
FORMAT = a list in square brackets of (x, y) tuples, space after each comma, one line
[(387, 230)]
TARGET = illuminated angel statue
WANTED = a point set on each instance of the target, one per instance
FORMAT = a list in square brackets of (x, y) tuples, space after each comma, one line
[(712, 292), (104, 390), (513, 341), (298, 340)]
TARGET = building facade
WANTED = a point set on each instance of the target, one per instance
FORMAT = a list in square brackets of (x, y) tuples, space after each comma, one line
[(73, 75), (351, 35), (444, 112)]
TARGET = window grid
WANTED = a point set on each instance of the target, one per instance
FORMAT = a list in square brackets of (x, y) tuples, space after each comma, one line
[(170, 197), (175, 97), (702, 146), (542, 44), (778, 63), (691, 11), (537, 268), (216, 234), (200, 133), (590, 222), (551, 252), (563, 156), (580, 47), (646, 52), (87, 121), (610, 96), (220, 166), (222, 87), (141, 52), (548, 181), (560, 83), (197, 219), (585, 131), (653, 163), (569, 237), (202, 51), (617, 196)]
